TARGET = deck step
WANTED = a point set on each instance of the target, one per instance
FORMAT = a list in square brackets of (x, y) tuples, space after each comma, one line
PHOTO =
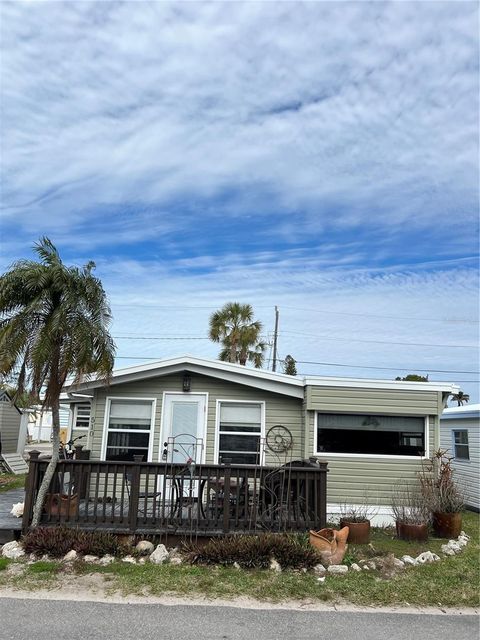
[(15, 463)]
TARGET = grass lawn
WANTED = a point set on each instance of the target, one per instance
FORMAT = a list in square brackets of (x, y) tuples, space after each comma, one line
[(10, 481), (452, 582)]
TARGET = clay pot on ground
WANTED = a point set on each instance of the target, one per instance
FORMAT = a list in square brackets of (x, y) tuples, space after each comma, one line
[(359, 532), (412, 532), (331, 544), (447, 525), (57, 504)]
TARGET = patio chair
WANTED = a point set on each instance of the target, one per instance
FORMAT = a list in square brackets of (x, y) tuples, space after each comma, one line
[(143, 496)]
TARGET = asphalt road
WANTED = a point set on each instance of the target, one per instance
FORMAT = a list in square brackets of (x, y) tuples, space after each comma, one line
[(22, 619)]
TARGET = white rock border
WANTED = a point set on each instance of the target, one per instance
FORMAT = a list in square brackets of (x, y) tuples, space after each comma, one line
[(14, 551)]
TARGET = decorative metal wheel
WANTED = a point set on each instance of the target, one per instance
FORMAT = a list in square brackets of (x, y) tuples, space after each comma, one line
[(279, 439)]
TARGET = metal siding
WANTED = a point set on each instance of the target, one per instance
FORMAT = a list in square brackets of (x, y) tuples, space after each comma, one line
[(467, 473), (9, 427), (279, 409), (350, 478), (368, 400)]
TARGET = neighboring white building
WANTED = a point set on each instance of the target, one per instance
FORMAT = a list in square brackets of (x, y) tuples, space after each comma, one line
[(460, 434), (40, 423)]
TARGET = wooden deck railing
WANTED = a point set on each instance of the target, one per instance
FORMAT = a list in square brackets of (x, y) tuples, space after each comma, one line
[(180, 499)]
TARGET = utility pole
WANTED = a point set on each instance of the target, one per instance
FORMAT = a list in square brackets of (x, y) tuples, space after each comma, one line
[(275, 336)]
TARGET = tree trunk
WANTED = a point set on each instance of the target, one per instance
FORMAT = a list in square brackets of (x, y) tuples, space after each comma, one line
[(47, 478)]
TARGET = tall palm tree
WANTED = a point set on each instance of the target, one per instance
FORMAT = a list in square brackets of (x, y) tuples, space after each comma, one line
[(234, 327), (53, 324), (460, 398)]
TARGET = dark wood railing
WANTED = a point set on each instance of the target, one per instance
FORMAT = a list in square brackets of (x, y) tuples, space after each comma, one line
[(180, 499)]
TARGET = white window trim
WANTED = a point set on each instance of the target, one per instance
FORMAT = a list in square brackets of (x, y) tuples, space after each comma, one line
[(373, 456), (75, 415), (106, 420), (454, 444), (219, 401), (186, 394)]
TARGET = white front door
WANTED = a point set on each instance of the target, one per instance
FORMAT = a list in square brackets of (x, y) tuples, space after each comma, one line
[(183, 428)]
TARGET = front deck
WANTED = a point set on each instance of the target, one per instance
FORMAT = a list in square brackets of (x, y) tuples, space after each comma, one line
[(180, 499)]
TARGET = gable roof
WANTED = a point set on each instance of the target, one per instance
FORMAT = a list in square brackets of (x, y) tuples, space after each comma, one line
[(259, 378), (4, 394)]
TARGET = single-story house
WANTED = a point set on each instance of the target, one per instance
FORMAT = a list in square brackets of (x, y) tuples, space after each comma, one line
[(460, 434), (372, 433)]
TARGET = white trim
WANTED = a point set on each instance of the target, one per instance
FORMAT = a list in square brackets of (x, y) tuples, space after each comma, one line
[(381, 513), (263, 414), (186, 395), (373, 383), (293, 386), (368, 456), (454, 445), (108, 402)]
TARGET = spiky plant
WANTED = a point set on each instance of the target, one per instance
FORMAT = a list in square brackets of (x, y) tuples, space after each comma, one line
[(53, 325)]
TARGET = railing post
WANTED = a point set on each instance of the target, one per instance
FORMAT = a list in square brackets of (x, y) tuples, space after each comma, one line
[(226, 495), (30, 489), (322, 493), (134, 493)]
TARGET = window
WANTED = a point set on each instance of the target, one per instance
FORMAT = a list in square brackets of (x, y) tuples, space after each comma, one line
[(240, 428), (370, 434), (460, 445), (128, 429), (82, 417)]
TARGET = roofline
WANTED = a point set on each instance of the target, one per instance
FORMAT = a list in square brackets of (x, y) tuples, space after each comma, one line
[(268, 380), (374, 383)]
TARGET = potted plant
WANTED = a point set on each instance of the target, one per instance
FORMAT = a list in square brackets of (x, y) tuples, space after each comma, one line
[(357, 518), (445, 497), (411, 513)]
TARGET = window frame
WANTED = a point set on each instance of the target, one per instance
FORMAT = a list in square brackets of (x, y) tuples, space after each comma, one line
[(75, 417), (454, 445), (386, 456), (261, 435), (106, 420)]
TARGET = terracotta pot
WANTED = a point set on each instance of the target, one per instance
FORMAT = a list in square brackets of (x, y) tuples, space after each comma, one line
[(359, 532), (447, 525), (331, 544), (57, 504), (412, 532)]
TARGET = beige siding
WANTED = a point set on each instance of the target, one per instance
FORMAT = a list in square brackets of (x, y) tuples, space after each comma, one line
[(9, 427), (467, 472), (350, 478), (279, 409), (367, 400)]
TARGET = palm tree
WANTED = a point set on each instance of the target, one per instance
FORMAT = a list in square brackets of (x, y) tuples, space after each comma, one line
[(234, 327), (53, 326), (460, 398)]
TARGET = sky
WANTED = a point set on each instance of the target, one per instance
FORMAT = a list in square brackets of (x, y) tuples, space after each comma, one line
[(322, 157)]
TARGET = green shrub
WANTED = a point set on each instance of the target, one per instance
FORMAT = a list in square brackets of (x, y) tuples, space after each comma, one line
[(57, 541), (4, 562), (290, 551)]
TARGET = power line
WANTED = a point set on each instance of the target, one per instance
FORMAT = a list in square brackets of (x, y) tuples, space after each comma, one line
[(357, 366), (413, 344), (373, 315), (336, 364), (310, 310), (160, 338)]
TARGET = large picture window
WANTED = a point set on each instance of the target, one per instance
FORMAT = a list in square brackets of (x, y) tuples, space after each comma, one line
[(128, 429), (370, 434), (240, 429)]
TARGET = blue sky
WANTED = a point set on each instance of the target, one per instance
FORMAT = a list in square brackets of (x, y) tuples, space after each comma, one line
[(320, 156)]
